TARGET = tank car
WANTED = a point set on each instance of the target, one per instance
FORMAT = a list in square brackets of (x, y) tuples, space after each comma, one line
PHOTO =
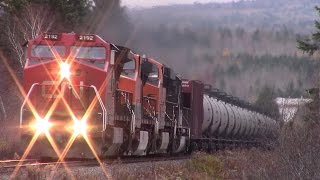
[(224, 120)]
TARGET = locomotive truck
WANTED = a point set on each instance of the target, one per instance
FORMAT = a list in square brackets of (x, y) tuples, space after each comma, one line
[(84, 95)]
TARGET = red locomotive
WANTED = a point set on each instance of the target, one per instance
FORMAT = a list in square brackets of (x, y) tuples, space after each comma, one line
[(85, 95)]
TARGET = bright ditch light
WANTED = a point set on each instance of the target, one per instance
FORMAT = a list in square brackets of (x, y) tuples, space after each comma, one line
[(42, 126), (80, 127)]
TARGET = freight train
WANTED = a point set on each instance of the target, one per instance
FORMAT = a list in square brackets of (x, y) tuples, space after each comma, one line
[(85, 96)]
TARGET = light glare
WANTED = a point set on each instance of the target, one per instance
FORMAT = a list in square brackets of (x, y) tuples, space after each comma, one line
[(42, 126), (80, 127), (65, 70)]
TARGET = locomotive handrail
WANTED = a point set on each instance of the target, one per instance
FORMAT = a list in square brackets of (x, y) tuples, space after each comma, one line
[(25, 101), (92, 86), (104, 111), (133, 116)]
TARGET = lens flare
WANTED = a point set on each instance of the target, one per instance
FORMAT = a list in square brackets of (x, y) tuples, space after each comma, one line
[(42, 126), (80, 127), (65, 70)]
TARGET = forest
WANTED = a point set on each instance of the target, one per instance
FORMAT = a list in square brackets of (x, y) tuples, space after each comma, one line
[(246, 48), (239, 47)]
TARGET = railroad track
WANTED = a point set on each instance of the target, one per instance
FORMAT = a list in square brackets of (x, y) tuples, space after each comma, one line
[(13, 163), (9, 165), (128, 160)]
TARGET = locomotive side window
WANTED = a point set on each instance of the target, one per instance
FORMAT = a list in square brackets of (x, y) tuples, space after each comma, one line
[(186, 100), (153, 77), (44, 51), (129, 69)]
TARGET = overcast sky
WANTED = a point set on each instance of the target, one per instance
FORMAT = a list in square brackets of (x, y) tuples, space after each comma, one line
[(150, 3)]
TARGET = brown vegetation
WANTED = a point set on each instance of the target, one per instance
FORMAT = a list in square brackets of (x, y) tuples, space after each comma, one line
[(295, 157)]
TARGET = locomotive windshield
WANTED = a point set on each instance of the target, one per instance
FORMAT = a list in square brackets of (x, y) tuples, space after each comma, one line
[(44, 51), (94, 56), (89, 52)]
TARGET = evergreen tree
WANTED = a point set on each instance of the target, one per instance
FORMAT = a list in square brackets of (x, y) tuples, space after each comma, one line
[(67, 13), (311, 44), (109, 19), (265, 101), (22, 20)]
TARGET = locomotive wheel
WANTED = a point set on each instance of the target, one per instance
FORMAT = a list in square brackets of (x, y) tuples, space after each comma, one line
[(212, 147), (205, 146), (194, 147)]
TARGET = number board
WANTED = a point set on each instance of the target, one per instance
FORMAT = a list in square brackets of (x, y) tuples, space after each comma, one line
[(86, 38), (54, 37)]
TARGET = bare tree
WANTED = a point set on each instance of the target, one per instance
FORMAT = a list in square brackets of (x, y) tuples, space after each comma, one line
[(28, 24), (3, 110)]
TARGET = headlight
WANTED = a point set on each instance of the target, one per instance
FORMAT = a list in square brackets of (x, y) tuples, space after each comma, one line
[(65, 70), (41, 126), (80, 127)]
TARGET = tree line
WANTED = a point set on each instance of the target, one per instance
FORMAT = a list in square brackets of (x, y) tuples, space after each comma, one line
[(25, 19)]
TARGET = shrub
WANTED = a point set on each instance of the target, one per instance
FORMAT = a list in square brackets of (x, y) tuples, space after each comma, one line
[(6, 149), (207, 164)]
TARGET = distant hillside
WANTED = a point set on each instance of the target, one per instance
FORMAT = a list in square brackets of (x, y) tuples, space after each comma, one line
[(239, 47), (271, 14)]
